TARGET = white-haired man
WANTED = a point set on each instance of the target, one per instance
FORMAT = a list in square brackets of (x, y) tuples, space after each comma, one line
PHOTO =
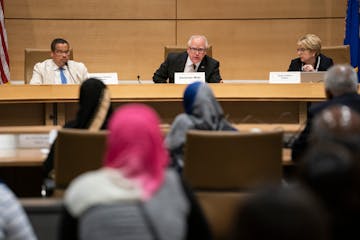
[(193, 60)]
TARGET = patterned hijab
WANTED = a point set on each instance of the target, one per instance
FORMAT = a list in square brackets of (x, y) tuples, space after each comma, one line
[(94, 106), (135, 147)]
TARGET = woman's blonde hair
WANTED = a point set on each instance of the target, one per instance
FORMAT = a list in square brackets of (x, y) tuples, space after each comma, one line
[(310, 42)]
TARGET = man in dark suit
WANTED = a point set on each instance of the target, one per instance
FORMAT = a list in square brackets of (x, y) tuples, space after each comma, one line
[(341, 86), (193, 60)]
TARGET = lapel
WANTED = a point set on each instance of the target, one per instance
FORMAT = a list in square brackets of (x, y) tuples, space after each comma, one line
[(202, 66), (180, 62)]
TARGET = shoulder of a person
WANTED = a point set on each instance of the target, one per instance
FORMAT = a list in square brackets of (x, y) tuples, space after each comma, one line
[(317, 108), (182, 119), (172, 176), (325, 58), (174, 55), (295, 60), (45, 63), (211, 60), (75, 63), (5, 193)]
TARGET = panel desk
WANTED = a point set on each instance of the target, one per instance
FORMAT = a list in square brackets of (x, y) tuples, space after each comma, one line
[(242, 103)]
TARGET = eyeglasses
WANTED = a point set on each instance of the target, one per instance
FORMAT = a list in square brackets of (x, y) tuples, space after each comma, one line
[(301, 49), (60, 52), (199, 50)]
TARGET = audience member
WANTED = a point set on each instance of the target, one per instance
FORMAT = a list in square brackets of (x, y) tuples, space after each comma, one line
[(135, 195), (59, 69), (332, 172), (193, 60), (93, 114), (14, 224), (282, 214), (202, 112), (310, 58), (338, 124), (341, 85)]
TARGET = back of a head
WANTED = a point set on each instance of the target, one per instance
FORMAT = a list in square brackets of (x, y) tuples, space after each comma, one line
[(282, 214), (94, 98), (201, 104), (340, 80), (135, 146), (338, 124), (327, 169), (331, 172)]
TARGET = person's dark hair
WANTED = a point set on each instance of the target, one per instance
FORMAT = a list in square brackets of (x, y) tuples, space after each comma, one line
[(282, 214), (91, 95), (57, 41), (332, 172)]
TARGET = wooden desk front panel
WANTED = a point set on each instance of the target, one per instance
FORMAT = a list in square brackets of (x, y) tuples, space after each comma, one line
[(22, 114), (242, 103)]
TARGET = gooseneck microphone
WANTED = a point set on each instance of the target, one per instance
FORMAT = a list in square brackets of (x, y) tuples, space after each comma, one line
[(67, 65), (138, 79)]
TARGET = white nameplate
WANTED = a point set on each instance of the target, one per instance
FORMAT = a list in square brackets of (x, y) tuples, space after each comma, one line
[(107, 78), (33, 141), (189, 77), (284, 77)]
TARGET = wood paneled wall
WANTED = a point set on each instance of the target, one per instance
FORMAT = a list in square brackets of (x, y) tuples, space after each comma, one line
[(249, 38)]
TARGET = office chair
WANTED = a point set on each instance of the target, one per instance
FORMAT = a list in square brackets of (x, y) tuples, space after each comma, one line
[(223, 168), (339, 54), (226, 160), (77, 151)]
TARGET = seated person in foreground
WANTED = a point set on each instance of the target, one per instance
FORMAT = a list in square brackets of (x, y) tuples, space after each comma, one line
[(14, 223), (310, 58), (193, 60), (202, 112), (93, 114), (341, 86), (134, 195), (281, 213), (59, 69), (331, 170)]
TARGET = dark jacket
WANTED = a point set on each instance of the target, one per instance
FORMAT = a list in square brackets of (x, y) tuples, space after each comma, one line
[(175, 62), (325, 64), (352, 100)]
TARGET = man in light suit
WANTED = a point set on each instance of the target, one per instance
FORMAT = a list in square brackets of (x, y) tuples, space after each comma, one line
[(59, 69), (193, 60)]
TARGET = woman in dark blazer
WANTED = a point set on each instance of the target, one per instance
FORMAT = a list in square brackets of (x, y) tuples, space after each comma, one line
[(310, 59)]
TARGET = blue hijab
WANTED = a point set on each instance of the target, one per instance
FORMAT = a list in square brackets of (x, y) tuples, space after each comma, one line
[(189, 96)]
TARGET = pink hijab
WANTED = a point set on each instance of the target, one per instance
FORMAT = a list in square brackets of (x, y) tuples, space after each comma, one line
[(135, 146)]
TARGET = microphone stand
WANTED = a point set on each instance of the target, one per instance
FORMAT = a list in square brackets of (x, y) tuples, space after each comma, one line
[(67, 65)]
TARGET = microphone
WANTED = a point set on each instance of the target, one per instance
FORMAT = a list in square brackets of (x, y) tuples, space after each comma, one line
[(67, 65), (138, 79)]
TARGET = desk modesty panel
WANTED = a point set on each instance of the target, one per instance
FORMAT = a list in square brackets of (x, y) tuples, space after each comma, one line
[(242, 103)]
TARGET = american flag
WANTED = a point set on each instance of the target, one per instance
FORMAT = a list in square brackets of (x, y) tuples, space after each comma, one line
[(4, 56)]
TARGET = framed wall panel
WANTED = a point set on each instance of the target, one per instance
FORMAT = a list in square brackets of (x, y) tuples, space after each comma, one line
[(260, 9), (90, 9)]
